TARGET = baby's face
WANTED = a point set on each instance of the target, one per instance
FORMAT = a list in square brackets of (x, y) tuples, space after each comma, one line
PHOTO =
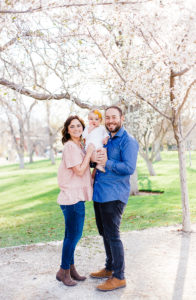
[(94, 120)]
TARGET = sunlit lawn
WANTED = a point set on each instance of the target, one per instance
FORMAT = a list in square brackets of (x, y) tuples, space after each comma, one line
[(29, 212)]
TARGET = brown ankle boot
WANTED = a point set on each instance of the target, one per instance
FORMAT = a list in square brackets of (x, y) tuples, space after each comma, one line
[(74, 274), (64, 276)]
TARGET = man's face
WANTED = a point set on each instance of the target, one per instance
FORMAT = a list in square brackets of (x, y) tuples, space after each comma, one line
[(113, 120)]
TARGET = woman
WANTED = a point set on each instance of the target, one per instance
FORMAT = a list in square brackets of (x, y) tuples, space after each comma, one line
[(75, 184)]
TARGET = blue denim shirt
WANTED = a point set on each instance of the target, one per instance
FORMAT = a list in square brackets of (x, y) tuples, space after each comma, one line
[(114, 184)]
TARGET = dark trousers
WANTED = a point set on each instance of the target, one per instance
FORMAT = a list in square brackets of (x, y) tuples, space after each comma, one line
[(108, 217), (74, 221)]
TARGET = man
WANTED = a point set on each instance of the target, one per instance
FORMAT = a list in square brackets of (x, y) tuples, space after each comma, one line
[(111, 193)]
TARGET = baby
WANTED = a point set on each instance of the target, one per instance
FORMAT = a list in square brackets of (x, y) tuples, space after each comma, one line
[(95, 133)]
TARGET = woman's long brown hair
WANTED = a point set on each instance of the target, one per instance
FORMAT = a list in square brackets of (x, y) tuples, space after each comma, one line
[(66, 136)]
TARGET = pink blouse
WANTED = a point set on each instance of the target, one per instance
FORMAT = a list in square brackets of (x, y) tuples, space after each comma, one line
[(73, 188)]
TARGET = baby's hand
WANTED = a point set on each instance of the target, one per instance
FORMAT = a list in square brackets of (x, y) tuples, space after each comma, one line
[(91, 127), (105, 140)]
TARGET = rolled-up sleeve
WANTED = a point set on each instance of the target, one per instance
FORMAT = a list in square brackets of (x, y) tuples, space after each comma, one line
[(127, 165)]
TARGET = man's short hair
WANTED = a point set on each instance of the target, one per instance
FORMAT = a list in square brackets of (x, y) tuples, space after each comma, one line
[(115, 107)]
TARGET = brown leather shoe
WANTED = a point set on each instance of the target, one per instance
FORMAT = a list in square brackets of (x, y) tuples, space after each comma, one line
[(74, 274), (112, 284), (102, 274), (64, 276)]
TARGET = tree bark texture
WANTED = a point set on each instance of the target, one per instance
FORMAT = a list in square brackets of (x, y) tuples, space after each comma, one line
[(186, 222), (150, 167), (134, 183)]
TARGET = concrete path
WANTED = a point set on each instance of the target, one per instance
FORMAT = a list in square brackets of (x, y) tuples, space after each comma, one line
[(160, 264)]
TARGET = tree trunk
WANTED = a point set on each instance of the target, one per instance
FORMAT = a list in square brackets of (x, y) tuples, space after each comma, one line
[(21, 161), (150, 167), (31, 156), (189, 149), (186, 224), (190, 161), (157, 151), (21, 144), (177, 129), (50, 138), (134, 183), (129, 125), (52, 156), (30, 149), (158, 156)]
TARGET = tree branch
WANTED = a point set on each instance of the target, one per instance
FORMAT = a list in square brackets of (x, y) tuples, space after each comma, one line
[(152, 105), (48, 96), (115, 69), (146, 40), (46, 8), (180, 73), (106, 58), (11, 42), (194, 125), (26, 34), (185, 98)]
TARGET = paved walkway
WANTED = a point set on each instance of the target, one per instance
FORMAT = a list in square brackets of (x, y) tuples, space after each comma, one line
[(160, 264)]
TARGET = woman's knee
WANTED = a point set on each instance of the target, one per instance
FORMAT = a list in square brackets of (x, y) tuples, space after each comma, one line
[(72, 242), (76, 236)]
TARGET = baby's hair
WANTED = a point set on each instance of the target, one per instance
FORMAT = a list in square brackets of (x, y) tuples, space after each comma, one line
[(97, 112)]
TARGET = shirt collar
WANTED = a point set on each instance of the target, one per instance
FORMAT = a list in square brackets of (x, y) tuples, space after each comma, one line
[(119, 133)]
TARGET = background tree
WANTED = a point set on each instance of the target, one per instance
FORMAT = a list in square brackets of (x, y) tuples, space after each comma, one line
[(147, 54), (149, 129), (156, 68)]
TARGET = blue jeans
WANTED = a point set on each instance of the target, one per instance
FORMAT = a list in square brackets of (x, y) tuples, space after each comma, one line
[(108, 217), (74, 222)]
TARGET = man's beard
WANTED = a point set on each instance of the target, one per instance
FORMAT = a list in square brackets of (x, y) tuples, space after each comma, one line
[(116, 128)]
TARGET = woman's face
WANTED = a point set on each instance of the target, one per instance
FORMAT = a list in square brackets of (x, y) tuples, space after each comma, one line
[(75, 129)]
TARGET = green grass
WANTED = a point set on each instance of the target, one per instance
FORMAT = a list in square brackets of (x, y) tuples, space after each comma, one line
[(29, 212), (162, 209)]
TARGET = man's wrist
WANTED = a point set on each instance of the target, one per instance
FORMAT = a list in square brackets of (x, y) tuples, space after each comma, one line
[(109, 164)]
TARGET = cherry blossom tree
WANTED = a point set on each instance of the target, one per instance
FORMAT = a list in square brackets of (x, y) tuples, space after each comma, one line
[(18, 120), (156, 66), (150, 137), (146, 48)]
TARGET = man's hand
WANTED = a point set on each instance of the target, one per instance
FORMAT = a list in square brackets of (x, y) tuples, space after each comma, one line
[(105, 140), (101, 156)]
